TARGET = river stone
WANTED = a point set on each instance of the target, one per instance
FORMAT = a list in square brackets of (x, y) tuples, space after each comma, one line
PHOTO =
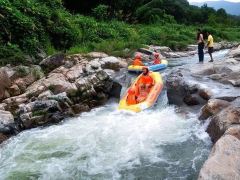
[(5, 83), (97, 55), (235, 52), (234, 130), (191, 100), (3, 106), (78, 108), (205, 94), (45, 94), (224, 160), (14, 90), (213, 107), (6, 117), (222, 121), (52, 62), (111, 63)]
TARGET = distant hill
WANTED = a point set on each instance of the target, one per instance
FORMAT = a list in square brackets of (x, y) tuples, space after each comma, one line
[(230, 7)]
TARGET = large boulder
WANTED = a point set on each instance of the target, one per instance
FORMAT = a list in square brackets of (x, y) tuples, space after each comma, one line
[(5, 83), (222, 121), (234, 130), (6, 117), (224, 160), (235, 52), (58, 83), (112, 63), (213, 107), (97, 55), (52, 62), (6, 125)]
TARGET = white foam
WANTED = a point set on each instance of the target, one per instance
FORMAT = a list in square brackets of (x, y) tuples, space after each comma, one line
[(101, 143)]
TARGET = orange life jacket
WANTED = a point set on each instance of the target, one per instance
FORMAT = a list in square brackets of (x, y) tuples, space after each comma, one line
[(146, 79), (157, 61), (132, 98), (137, 62)]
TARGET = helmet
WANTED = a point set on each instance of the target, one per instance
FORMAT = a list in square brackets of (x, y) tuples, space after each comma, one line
[(156, 54), (138, 55)]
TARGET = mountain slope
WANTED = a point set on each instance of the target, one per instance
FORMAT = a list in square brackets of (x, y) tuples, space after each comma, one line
[(230, 7)]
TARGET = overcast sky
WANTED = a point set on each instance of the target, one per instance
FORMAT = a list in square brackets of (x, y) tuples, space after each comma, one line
[(212, 0)]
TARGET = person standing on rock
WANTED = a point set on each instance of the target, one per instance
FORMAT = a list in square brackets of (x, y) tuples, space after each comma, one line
[(210, 45), (200, 42)]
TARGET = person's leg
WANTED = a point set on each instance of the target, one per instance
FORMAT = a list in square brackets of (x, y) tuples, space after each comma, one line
[(210, 53), (199, 52), (202, 57)]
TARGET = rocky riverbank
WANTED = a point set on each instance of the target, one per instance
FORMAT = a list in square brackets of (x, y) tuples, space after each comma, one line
[(58, 88), (190, 50), (214, 88)]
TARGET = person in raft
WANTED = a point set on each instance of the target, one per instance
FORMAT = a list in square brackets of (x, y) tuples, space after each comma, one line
[(210, 45), (138, 60), (157, 59), (139, 93)]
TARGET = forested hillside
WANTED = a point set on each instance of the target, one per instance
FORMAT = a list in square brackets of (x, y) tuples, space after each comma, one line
[(30, 27)]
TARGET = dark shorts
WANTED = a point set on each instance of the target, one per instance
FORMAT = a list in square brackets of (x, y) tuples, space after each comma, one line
[(210, 50)]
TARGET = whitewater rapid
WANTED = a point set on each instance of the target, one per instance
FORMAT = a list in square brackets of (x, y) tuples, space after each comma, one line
[(108, 144)]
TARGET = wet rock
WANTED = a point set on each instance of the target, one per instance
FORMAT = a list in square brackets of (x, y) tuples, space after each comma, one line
[(191, 100), (222, 121), (52, 62), (78, 108), (213, 107), (6, 125), (205, 94), (235, 83), (6, 117), (51, 105), (215, 76), (223, 161), (3, 106), (234, 130)]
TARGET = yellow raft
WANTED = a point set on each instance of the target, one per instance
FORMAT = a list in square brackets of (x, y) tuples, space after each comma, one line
[(155, 67), (151, 98)]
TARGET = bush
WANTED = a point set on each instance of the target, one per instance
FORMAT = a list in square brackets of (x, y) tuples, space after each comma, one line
[(11, 54)]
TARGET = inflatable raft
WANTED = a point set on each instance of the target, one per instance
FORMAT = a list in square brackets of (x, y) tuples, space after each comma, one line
[(156, 67), (151, 98)]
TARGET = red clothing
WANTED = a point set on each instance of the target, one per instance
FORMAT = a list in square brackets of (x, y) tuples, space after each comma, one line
[(157, 61), (137, 62)]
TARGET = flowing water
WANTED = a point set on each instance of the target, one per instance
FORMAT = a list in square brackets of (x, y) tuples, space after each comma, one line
[(161, 143)]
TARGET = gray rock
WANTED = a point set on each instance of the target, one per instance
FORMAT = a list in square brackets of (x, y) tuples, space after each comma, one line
[(224, 160), (6, 117), (213, 107), (234, 130), (222, 121), (52, 62)]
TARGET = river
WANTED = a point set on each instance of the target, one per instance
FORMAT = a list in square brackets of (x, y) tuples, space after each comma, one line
[(161, 143)]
